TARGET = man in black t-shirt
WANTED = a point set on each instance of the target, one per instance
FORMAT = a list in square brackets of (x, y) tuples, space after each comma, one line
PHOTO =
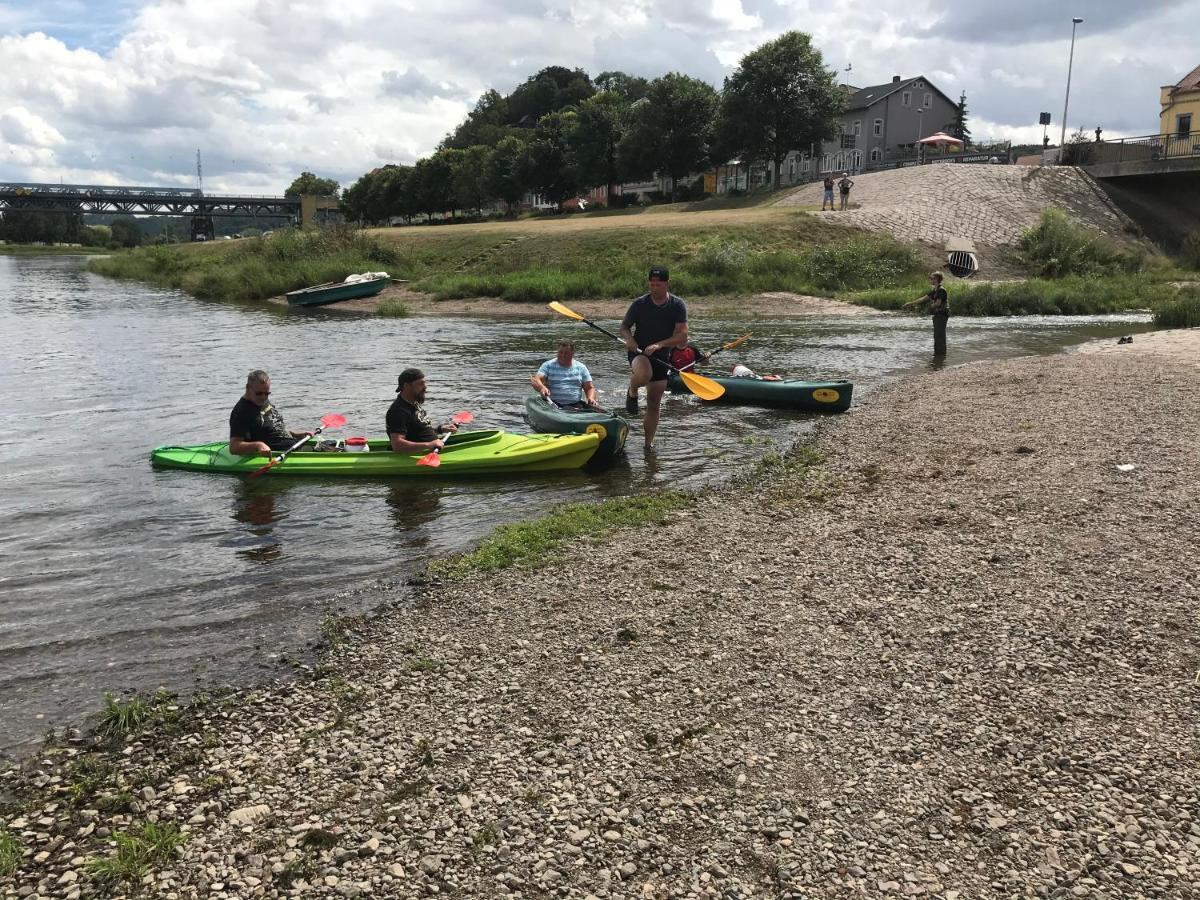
[(939, 309), (654, 324), (408, 425), (255, 426)]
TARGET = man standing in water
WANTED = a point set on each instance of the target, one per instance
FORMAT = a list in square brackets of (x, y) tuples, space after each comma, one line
[(655, 323), (939, 308), (255, 426)]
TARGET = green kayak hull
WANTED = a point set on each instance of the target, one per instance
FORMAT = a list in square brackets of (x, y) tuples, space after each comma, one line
[(611, 429), (335, 291), (810, 396), (468, 453)]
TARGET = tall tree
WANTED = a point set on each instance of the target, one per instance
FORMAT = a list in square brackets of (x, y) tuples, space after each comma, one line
[(629, 87), (486, 124), (470, 179), (550, 90), (548, 166), (308, 183), (669, 129), (780, 98), (957, 127), (502, 177), (600, 123), (434, 177)]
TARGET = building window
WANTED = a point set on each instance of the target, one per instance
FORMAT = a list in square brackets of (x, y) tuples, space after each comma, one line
[(878, 129), (920, 84), (856, 160), (1183, 124), (927, 101), (791, 175), (857, 127), (876, 156), (906, 98)]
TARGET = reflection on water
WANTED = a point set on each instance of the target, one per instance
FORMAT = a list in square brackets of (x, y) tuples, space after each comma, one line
[(114, 576)]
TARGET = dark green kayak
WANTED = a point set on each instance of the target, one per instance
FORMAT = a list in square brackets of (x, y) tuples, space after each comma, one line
[(810, 396), (334, 291), (548, 419)]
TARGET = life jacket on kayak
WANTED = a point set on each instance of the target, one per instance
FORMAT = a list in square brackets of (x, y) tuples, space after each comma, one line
[(681, 357)]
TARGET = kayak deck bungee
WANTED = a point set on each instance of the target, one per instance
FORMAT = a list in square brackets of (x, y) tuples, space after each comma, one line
[(612, 430), (810, 396), (466, 453)]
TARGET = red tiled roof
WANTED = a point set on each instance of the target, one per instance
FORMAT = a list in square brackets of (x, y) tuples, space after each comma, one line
[(1190, 81)]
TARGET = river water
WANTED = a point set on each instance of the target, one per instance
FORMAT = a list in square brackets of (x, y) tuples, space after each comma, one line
[(116, 577)]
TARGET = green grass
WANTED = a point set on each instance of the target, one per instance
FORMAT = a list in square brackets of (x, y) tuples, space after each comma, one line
[(121, 717), (393, 307), (539, 541), (10, 852), (136, 852), (788, 255), (254, 268), (1181, 311), (1038, 296), (39, 250)]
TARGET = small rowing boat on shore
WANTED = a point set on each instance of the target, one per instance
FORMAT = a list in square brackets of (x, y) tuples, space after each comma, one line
[(612, 430), (466, 453), (810, 396), (320, 294)]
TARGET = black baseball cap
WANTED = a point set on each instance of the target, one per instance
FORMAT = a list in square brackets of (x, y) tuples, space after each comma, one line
[(407, 377), (660, 272)]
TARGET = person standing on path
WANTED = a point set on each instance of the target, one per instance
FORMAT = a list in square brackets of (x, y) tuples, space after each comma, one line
[(844, 186), (939, 308), (827, 196), (654, 324), (564, 380)]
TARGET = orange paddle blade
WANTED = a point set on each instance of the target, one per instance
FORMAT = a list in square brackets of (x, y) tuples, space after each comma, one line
[(432, 459), (462, 418), (333, 420)]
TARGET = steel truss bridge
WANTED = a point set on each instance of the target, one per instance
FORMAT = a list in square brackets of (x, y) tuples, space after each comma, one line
[(157, 201)]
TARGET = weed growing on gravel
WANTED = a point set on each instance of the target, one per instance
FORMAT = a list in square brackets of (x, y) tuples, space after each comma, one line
[(425, 664), (89, 774), (1058, 247), (533, 543), (302, 869), (136, 852), (319, 838), (10, 852), (1182, 311), (119, 718), (488, 834)]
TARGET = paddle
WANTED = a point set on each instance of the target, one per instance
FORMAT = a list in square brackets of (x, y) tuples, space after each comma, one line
[(333, 420), (433, 459), (711, 353), (704, 388)]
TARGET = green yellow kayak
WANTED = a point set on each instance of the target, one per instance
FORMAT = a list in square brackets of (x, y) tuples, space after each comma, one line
[(466, 453)]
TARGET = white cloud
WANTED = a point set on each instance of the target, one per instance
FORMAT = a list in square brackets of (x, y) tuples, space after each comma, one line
[(267, 88)]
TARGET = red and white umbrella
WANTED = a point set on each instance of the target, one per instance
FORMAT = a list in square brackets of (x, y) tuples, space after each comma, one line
[(941, 139)]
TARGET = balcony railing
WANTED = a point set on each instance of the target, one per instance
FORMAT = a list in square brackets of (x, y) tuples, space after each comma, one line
[(1151, 147)]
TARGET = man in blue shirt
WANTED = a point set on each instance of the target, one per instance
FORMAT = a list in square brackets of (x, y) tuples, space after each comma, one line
[(564, 380)]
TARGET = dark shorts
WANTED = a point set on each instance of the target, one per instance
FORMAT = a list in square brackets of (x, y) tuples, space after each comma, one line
[(658, 367)]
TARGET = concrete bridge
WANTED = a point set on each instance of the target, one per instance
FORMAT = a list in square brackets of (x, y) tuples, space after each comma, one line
[(160, 201), (1155, 180)]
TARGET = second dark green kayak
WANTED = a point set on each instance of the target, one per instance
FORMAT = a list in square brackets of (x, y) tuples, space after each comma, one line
[(810, 396), (554, 420)]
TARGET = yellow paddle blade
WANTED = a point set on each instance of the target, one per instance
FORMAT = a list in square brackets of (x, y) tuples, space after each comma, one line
[(559, 308), (704, 388), (740, 340)]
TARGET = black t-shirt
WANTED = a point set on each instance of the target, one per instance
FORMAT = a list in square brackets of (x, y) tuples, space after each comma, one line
[(410, 421), (251, 422), (828, 182), (939, 302), (653, 324), (845, 184)]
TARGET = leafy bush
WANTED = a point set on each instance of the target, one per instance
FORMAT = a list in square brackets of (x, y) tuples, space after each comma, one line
[(1189, 251), (718, 256), (1180, 311), (622, 201), (859, 263), (1057, 247)]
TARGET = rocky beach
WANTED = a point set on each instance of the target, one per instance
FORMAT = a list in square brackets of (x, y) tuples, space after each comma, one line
[(952, 653)]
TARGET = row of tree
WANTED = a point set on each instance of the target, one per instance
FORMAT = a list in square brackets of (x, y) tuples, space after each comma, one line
[(25, 227), (561, 133)]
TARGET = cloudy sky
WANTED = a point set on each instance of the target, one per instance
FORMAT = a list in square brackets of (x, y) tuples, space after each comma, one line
[(126, 91)]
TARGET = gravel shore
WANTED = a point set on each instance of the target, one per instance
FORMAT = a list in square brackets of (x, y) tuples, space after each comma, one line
[(958, 659)]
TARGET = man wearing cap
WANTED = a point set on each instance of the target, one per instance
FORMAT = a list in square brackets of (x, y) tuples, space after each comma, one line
[(654, 324), (408, 425)]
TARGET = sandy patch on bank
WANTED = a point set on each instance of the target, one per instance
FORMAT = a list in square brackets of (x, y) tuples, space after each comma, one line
[(770, 305), (1178, 344)]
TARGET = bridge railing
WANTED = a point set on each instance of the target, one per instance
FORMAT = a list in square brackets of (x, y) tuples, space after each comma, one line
[(105, 190), (1148, 148)]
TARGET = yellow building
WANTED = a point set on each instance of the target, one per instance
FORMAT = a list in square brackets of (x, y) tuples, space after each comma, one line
[(1180, 106)]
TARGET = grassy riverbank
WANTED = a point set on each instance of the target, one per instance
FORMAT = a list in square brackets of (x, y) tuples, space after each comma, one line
[(43, 250)]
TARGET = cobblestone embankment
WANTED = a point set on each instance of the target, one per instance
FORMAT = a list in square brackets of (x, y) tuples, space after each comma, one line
[(989, 205), (956, 661)]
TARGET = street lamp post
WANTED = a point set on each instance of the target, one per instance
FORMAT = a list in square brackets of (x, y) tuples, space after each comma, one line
[(1062, 141), (920, 132)]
